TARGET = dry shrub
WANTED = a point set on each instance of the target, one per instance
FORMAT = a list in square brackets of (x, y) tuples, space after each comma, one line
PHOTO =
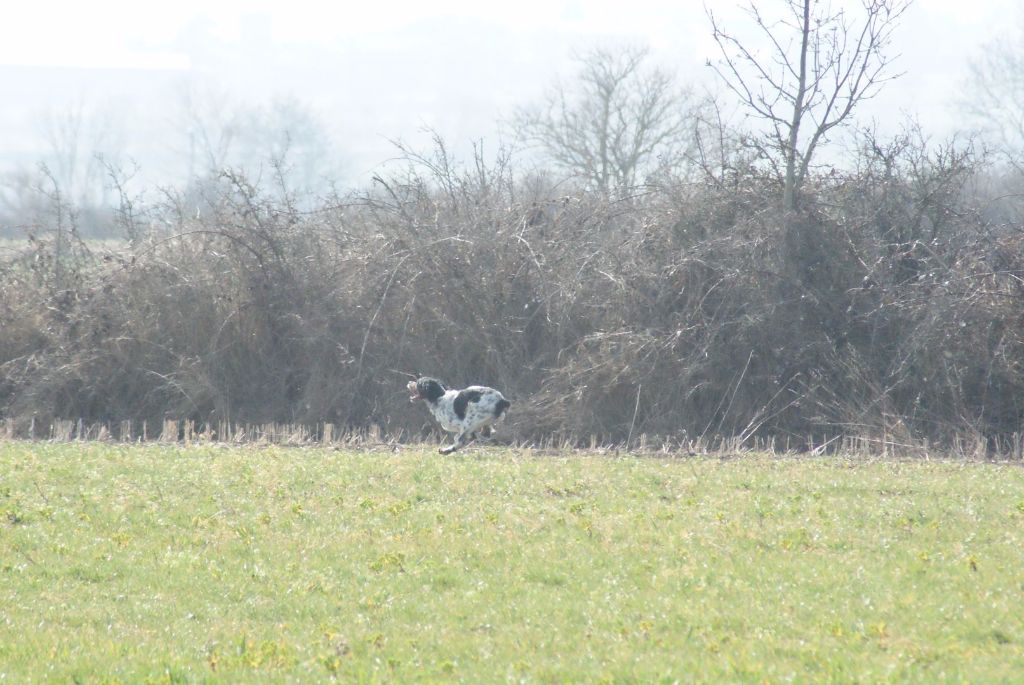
[(687, 310)]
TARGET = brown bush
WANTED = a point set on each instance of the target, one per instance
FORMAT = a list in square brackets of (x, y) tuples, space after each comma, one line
[(887, 308)]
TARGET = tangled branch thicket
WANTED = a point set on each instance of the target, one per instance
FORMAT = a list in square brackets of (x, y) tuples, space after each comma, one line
[(891, 305)]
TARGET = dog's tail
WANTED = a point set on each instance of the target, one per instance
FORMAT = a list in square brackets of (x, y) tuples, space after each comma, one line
[(500, 407)]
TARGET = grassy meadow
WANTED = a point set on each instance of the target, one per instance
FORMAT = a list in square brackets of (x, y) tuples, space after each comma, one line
[(158, 564)]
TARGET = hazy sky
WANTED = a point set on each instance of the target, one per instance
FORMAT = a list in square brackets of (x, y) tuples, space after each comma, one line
[(378, 70)]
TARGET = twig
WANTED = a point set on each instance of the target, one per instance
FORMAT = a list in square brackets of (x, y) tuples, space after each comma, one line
[(636, 407), (41, 493)]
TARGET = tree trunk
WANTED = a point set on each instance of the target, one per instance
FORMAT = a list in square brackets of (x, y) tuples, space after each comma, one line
[(792, 181)]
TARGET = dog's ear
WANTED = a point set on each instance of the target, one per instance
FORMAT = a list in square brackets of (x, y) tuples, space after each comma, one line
[(430, 389)]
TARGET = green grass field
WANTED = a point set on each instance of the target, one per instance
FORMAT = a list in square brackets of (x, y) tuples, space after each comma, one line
[(212, 564)]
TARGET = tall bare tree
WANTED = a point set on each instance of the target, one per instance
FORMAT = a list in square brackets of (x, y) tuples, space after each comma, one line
[(995, 94), (283, 134), (287, 134), (822, 60), (209, 118), (617, 120), (76, 134)]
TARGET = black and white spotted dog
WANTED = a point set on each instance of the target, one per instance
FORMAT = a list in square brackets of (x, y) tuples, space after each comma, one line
[(469, 412)]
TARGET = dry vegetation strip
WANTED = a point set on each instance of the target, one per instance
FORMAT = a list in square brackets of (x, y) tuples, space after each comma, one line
[(209, 564)]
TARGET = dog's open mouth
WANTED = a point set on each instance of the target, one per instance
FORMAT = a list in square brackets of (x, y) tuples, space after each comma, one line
[(414, 391)]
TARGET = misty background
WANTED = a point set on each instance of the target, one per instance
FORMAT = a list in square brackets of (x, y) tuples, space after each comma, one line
[(145, 83)]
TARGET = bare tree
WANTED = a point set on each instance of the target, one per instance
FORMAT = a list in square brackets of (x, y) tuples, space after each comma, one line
[(821, 62), (615, 121), (210, 120), (283, 137), (287, 135), (75, 134), (67, 179), (995, 94)]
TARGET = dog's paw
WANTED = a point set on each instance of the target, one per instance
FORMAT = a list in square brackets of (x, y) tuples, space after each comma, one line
[(447, 450)]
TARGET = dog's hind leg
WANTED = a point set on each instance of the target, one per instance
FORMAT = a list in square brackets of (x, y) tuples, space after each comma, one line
[(461, 440)]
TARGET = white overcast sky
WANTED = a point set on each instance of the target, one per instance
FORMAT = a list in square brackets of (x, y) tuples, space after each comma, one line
[(379, 70)]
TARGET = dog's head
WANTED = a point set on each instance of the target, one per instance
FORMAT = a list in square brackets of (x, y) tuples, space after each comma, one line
[(429, 389)]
